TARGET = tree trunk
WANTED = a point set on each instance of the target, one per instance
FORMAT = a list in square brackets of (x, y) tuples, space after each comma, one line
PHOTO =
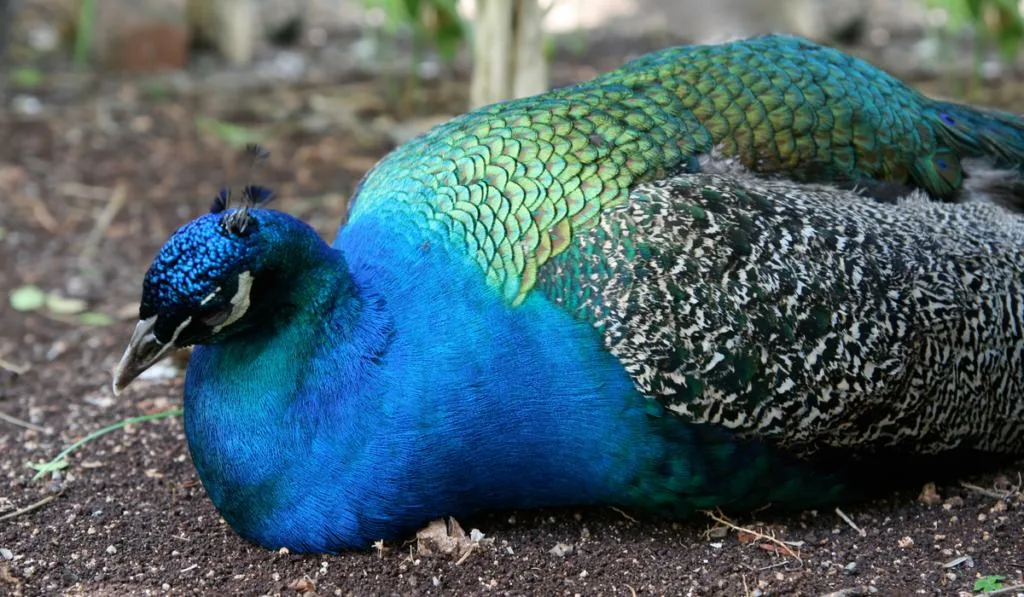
[(508, 51), (231, 26)]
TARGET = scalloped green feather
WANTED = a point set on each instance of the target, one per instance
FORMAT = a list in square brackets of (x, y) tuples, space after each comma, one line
[(514, 181)]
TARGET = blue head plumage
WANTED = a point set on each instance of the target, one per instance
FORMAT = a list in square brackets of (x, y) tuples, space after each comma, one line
[(197, 274), (212, 277)]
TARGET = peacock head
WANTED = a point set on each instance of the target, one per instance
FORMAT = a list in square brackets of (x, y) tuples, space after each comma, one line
[(211, 279)]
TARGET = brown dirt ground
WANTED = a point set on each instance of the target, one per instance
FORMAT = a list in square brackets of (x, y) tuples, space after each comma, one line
[(129, 516)]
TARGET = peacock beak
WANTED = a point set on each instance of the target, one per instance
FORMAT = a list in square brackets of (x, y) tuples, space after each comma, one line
[(143, 351)]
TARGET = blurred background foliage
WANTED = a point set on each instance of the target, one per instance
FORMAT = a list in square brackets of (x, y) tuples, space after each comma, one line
[(994, 22), (429, 25), (968, 38), (435, 23), (441, 25)]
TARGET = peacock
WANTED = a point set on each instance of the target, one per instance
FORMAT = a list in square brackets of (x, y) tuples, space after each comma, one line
[(647, 290)]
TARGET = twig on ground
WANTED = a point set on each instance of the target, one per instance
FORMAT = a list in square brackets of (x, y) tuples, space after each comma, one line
[(39, 210), (84, 191), (15, 369), (103, 221), (768, 567), (851, 592), (850, 522), (624, 515), (20, 423), (61, 462), (29, 508), (785, 546), (999, 495), (465, 555), (958, 561)]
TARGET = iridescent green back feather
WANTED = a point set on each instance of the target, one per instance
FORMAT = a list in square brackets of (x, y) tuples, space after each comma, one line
[(512, 183)]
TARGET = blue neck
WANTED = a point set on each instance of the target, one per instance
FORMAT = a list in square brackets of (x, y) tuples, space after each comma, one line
[(407, 391)]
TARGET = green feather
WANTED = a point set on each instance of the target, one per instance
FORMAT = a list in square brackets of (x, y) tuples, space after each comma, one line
[(539, 170)]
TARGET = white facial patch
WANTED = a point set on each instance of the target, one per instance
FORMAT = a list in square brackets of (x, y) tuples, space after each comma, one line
[(210, 297), (178, 330), (239, 302)]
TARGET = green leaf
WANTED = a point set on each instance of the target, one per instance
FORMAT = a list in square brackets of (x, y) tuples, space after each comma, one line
[(96, 319), (26, 76), (27, 298), (987, 584), (235, 135), (61, 305)]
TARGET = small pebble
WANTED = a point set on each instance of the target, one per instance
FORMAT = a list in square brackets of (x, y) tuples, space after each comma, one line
[(26, 105)]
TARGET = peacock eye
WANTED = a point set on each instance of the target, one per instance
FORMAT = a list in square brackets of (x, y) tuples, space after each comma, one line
[(216, 318)]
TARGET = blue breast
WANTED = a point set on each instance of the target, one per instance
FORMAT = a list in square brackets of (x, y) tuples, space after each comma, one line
[(422, 394)]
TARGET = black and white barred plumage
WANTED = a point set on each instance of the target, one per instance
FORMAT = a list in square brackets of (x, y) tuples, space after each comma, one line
[(809, 316)]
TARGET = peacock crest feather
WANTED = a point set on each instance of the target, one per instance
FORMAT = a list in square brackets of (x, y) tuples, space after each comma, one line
[(252, 196)]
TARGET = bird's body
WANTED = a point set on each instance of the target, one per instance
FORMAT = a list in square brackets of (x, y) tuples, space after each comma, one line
[(797, 321), (534, 305)]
